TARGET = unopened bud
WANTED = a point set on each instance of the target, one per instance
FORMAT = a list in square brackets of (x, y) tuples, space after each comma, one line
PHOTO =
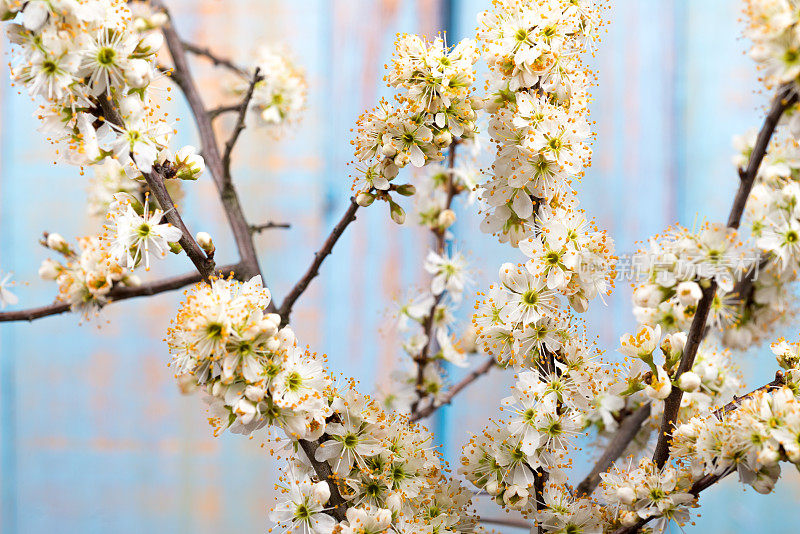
[(396, 212), (446, 218), (443, 138), (406, 190), (151, 43), (204, 240), (475, 102), (626, 495), (364, 199), (689, 381), (188, 163), (57, 243)]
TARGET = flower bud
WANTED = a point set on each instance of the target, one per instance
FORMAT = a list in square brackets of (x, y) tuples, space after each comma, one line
[(204, 240), (396, 212), (443, 138), (254, 393), (492, 487), (151, 43), (365, 199), (689, 381), (49, 270), (689, 293), (475, 102), (139, 73), (768, 456), (388, 150), (216, 389), (446, 219), (131, 107), (626, 494), (406, 190), (188, 163), (57, 243)]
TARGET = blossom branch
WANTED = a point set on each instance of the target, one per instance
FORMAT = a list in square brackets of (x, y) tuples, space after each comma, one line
[(285, 309), (709, 480), (155, 181), (423, 358), (118, 293), (454, 390), (785, 97), (324, 472)]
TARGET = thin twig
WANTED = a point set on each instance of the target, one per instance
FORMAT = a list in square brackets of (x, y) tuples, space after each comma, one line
[(285, 309), (777, 383), (627, 430), (238, 127), (119, 292), (216, 112), (258, 228), (454, 390), (785, 97), (216, 59)]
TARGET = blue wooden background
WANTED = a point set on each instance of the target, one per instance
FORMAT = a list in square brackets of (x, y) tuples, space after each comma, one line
[(94, 436)]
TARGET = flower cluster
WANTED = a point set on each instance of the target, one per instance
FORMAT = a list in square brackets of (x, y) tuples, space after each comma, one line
[(713, 376), (256, 375), (772, 26), (752, 434), (678, 266), (87, 275), (93, 63), (648, 492), (279, 98), (764, 295), (550, 406), (435, 109)]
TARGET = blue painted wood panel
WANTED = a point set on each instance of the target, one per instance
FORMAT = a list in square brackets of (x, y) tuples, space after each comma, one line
[(94, 436)]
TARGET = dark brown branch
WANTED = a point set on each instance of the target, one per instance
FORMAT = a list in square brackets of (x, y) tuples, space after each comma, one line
[(785, 97), (182, 76), (217, 60), (454, 390), (203, 263), (285, 310), (777, 383), (337, 504), (627, 430), (238, 127), (258, 228), (118, 293)]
